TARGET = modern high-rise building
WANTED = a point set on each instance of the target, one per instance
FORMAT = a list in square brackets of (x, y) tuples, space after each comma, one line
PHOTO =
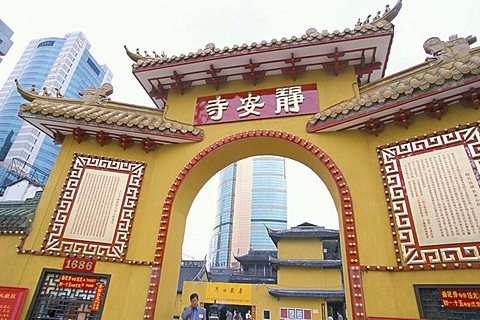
[(252, 195), (56, 66), (5, 39)]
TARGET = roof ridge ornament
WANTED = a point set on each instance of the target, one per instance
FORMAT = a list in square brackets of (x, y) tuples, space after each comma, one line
[(33, 94), (388, 15), (444, 51), (94, 96)]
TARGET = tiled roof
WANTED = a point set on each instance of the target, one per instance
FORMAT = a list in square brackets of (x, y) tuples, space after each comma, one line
[(17, 216), (246, 278), (306, 293), (454, 63), (257, 256), (137, 117), (380, 23), (303, 231), (102, 112), (190, 272), (306, 263), (215, 276)]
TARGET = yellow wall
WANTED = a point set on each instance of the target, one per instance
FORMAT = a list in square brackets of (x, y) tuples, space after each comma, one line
[(262, 300), (353, 151), (180, 304), (397, 289), (128, 286), (301, 249), (309, 278)]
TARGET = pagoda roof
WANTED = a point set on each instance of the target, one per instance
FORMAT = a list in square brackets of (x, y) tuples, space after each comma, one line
[(306, 263), (17, 216), (366, 46), (307, 293), (257, 256), (450, 74), (96, 115), (190, 270), (304, 230), (247, 278)]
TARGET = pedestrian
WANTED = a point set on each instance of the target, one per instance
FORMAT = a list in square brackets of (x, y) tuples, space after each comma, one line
[(330, 317), (229, 315), (339, 316), (248, 315), (194, 311)]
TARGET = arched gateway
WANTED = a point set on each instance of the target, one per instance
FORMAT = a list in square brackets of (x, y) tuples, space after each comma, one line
[(400, 156)]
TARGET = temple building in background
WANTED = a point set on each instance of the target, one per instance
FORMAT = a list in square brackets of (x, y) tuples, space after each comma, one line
[(5, 39), (252, 194), (58, 67)]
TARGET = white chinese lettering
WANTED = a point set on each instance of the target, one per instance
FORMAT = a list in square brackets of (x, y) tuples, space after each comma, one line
[(215, 108), (249, 104), (289, 99)]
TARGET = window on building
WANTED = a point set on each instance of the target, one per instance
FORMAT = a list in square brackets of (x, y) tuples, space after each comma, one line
[(266, 314), (93, 66), (46, 44)]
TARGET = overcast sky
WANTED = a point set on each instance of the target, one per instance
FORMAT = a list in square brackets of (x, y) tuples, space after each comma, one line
[(183, 26)]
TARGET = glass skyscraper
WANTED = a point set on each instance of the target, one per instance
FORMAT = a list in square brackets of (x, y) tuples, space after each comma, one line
[(5, 39), (57, 64), (252, 194)]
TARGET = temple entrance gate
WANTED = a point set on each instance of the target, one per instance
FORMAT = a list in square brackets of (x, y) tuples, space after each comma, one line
[(400, 156), (242, 145)]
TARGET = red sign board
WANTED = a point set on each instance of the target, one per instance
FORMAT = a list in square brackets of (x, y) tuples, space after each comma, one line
[(259, 104), (77, 282), (79, 265), (97, 299), (460, 298), (11, 302)]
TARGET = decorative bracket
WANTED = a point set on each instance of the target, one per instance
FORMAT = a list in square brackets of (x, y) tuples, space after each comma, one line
[(374, 126), (435, 109), (403, 118)]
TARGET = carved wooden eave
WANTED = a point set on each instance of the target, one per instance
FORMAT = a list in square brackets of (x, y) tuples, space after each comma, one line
[(366, 47), (104, 120), (451, 75)]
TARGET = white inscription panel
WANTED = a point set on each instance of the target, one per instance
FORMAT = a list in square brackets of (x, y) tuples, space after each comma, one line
[(97, 206), (444, 196)]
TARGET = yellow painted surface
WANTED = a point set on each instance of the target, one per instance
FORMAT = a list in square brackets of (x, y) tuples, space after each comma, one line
[(262, 300), (179, 304), (301, 249), (353, 151), (398, 289), (228, 293), (309, 278)]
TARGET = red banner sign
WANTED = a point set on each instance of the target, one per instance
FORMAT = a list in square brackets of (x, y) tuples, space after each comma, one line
[(79, 265), (259, 104), (77, 282), (11, 302), (97, 300), (460, 298)]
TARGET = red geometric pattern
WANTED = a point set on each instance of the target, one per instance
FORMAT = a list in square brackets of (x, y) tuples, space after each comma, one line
[(55, 239), (401, 220)]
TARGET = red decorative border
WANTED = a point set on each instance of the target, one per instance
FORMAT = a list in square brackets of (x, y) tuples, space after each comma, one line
[(348, 220), (401, 220), (55, 240)]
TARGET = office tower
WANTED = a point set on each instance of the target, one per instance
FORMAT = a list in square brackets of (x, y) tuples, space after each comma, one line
[(5, 39), (252, 195), (62, 65)]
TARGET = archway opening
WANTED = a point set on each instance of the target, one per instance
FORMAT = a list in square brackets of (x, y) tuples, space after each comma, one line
[(233, 148), (238, 205)]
